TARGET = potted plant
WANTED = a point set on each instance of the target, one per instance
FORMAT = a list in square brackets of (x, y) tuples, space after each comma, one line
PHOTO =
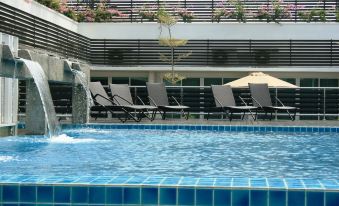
[(148, 12), (275, 11), (185, 14), (238, 11)]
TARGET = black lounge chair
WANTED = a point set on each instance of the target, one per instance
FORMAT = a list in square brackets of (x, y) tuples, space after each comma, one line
[(122, 97), (224, 100), (104, 104), (157, 95), (261, 97)]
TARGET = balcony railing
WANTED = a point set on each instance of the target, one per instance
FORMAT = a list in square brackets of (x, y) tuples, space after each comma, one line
[(219, 52), (317, 103), (203, 9)]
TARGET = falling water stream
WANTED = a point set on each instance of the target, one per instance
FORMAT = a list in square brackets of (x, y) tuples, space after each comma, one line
[(41, 83), (81, 77)]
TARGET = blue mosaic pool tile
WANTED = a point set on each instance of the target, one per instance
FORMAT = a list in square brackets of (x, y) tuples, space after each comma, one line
[(114, 195), (276, 183), (186, 196), (131, 195), (206, 182), (50, 180), (149, 196), (78, 195), (96, 195), (136, 180), (312, 184), (119, 180), (259, 197), (296, 197), (188, 181), (204, 197), (84, 180), (222, 197), (62, 194), (258, 182), (66, 180), (330, 184), (227, 128), (314, 198), (240, 182), (45, 194), (102, 180), (240, 197), (332, 198), (277, 198), (294, 183), (153, 181), (168, 196), (171, 181), (223, 182), (10, 193), (28, 194)]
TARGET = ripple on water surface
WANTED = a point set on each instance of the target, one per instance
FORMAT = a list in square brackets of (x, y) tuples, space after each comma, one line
[(173, 153)]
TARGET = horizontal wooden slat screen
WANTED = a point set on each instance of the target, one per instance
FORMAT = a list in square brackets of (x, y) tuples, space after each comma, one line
[(219, 52), (203, 9), (41, 34)]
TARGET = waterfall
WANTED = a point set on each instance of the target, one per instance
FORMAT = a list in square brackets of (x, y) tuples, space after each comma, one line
[(41, 83), (81, 77)]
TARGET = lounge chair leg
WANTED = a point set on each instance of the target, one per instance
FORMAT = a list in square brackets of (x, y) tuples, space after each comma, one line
[(231, 116), (163, 115), (208, 115), (187, 115), (271, 116), (243, 116)]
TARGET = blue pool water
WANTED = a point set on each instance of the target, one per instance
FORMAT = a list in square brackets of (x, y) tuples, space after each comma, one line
[(137, 152)]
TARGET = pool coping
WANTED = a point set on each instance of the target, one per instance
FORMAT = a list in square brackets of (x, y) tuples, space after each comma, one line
[(230, 183), (204, 127)]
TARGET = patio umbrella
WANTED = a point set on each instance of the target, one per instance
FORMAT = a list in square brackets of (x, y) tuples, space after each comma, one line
[(260, 78)]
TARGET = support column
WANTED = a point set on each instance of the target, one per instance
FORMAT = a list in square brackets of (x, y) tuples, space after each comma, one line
[(35, 114), (151, 77)]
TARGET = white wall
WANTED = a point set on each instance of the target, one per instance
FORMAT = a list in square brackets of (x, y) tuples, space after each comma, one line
[(43, 12), (9, 88), (258, 31)]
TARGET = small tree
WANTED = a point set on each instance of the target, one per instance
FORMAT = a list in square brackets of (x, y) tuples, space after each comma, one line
[(167, 21)]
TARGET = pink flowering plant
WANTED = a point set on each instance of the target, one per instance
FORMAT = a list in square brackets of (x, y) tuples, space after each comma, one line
[(317, 13), (234, 9), (148, 12), (275, 11), (185, 14)]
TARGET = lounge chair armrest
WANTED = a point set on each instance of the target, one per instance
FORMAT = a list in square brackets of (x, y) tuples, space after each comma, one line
[(243, 101), (176, 101), (280, 102), (256, 102), (142, 102), (95, 96), (117, 96), (152, 101)]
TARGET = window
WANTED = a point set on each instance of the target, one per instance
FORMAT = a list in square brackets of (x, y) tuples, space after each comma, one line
[(212, 81), (289, 80), (191, 82), (309, 82), (120, 80), (103, 80), (329, 82), (139, 81), (227, 80)]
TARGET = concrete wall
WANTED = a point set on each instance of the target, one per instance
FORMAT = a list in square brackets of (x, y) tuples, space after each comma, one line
[(43, 12), (8, 87), (258, 31)]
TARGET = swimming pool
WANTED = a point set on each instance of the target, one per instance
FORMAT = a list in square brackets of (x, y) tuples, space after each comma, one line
[(139, 164), (144, 152)]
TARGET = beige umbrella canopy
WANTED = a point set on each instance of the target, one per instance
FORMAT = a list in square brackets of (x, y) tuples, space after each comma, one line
[(260, 78)]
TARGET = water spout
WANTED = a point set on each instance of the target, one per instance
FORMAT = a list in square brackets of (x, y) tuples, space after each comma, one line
[(81, 77), (41, 82)]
